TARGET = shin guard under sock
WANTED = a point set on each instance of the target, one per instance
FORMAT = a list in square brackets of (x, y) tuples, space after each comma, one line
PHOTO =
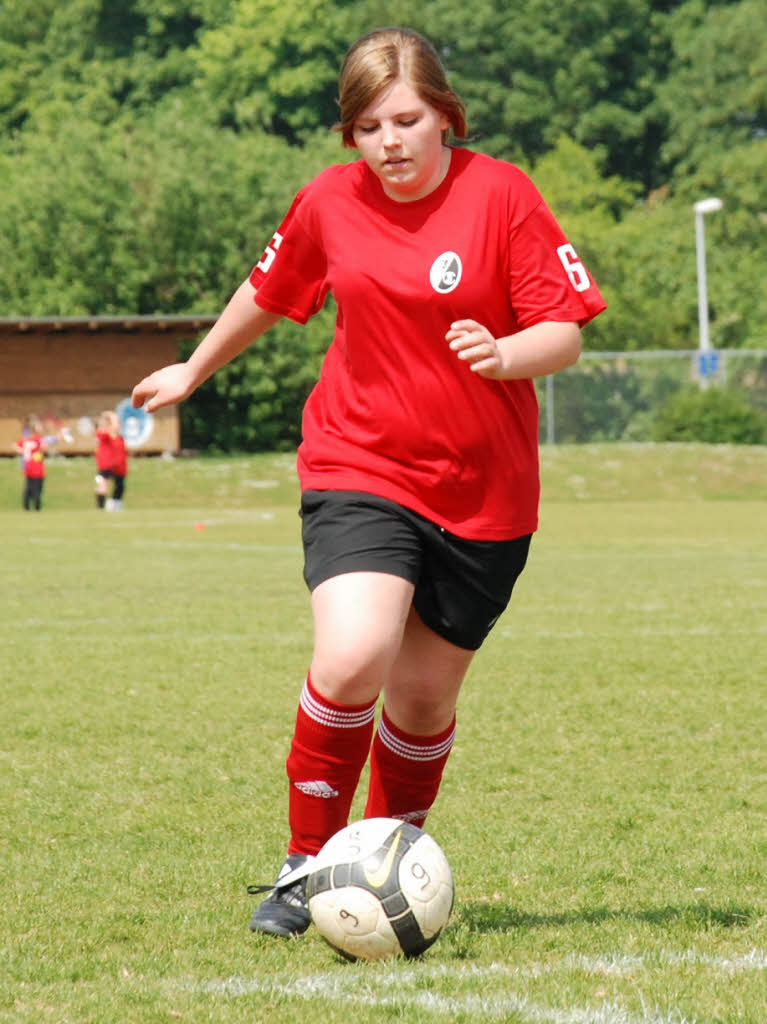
[(330, 745), (406, 771)]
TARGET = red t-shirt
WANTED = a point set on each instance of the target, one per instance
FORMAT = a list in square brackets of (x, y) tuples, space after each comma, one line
[(33, 448), (110, 453), (395, 412), (103, 450)]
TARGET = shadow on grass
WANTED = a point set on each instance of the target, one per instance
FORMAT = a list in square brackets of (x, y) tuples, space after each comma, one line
[(483, 918)]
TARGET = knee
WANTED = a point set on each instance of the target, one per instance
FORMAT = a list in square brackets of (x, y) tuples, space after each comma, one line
[(421, 717), (420, 703), (350, 673)]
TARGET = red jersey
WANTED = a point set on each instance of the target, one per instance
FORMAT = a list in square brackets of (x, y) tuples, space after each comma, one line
[(395, 412), (111, 453), (33, 449), (103, 450)]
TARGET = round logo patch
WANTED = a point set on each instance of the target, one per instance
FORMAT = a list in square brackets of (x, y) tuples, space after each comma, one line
[(446, 272), (137, 425)]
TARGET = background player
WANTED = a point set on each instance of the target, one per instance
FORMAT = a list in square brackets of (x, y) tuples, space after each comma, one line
[(111, 461), (33, 446)]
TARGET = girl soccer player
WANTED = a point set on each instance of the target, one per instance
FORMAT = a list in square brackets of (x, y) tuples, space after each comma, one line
[(32, 447), (418, 465), (111, 461)]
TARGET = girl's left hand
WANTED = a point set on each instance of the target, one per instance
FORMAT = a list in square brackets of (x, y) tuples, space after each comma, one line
[(475, 345)]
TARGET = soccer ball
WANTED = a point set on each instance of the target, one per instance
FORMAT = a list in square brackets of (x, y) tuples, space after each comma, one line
[(379, 888)]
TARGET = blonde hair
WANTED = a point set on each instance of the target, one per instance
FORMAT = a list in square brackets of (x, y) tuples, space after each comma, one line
[(110, 420), (381, 58)]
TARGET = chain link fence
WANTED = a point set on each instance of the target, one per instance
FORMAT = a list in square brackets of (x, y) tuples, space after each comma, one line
[(619, 396)]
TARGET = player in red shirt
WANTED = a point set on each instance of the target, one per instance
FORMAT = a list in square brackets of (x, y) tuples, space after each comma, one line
[(455, 287), (103, 459), (32, 447), (111, 461)]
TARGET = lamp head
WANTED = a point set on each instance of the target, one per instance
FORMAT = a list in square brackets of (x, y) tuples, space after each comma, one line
[(710, 205)]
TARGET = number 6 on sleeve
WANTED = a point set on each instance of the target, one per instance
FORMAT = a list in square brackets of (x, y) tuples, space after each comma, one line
[(576, 271)]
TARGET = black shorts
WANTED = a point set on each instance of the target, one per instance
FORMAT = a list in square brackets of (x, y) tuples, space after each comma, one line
[(461, 586)]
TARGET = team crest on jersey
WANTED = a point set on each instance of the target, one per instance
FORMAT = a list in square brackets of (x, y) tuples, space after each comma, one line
[(446, 272)]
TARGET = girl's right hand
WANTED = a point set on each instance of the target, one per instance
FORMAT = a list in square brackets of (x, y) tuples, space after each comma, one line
[(167, 386)]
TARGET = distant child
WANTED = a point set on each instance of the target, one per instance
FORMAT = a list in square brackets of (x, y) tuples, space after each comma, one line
[(32, 446), (111, 461)]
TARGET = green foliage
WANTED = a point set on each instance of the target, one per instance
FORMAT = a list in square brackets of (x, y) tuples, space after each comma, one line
[(649, 280), (94, 56), (646, 266), (274, 66), (715, 95), (254, 404), (615, 397), (614, 400), (532, 72), (714, 416), (158, 215), (736, 241), (590, 207)]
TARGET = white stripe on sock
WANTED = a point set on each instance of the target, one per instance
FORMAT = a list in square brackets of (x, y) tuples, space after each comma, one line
[(332, 717), (414, 751)]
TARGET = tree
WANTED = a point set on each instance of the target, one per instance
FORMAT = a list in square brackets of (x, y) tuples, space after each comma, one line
[(274, 65), (532, 72), (715, 96), (164, 214), (94, 56)]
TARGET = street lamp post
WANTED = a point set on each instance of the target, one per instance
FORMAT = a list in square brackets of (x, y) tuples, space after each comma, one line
[(702, 207)]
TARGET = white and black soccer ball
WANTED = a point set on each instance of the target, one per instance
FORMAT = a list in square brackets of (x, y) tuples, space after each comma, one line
[(380, 888)]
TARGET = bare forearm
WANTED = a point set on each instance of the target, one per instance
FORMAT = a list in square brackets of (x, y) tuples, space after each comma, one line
[(540, 350), (241, 322), (533, 352)]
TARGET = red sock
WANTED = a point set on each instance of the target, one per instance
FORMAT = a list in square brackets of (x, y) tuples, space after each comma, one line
[(405, 772), (330, 745)]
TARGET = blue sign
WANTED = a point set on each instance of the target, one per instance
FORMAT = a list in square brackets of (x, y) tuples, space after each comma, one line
[(137, 425), (708, 363)]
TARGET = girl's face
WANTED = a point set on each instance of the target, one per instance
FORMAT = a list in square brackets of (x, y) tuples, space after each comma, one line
[(399, 137)]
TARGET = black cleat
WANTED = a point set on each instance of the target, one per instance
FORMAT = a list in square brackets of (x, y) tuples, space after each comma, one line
[(285, 911)]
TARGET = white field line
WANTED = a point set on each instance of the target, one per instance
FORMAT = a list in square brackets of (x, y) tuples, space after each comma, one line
[(624, 964), (375, 989), (448, 1007)]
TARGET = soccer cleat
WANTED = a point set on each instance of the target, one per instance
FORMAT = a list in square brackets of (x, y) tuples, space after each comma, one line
[(285, 911)]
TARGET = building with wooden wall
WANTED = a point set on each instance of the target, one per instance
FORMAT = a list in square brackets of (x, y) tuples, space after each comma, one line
[(67, 370)]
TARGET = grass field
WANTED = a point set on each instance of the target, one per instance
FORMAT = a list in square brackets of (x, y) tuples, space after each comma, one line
[(604, 809)]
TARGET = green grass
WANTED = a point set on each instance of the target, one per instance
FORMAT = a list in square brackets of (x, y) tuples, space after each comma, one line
[(604, 810)]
